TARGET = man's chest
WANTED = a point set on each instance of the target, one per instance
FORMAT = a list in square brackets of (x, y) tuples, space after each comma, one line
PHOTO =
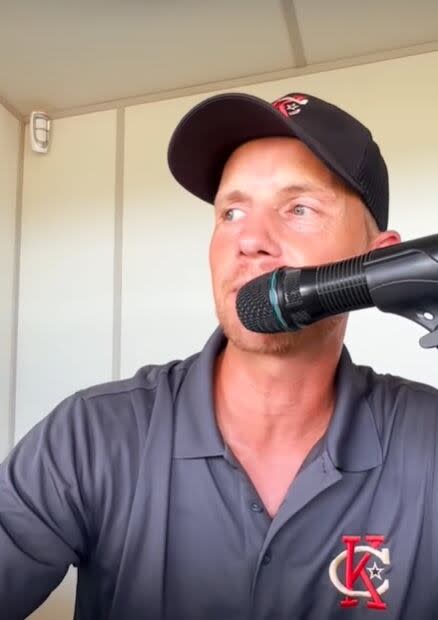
[(350, 550), (271, 479)]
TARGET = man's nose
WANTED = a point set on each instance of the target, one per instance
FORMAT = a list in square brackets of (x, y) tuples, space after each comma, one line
[(258, 237)]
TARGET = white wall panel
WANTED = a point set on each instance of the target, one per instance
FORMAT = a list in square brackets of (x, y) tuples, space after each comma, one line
[(9, 152), (66, 283), (167, 311)]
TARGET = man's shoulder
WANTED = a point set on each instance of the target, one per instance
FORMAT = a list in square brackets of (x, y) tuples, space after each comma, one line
[(396, 386), (400, 401), (122, 408), (147, 380)]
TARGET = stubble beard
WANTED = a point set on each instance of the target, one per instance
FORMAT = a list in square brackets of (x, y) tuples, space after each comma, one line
[(282, 344)]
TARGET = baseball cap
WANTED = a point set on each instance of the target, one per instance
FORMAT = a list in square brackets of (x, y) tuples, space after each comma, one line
[(207, 135)]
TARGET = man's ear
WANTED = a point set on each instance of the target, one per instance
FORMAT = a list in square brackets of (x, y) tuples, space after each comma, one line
[(385, 239)]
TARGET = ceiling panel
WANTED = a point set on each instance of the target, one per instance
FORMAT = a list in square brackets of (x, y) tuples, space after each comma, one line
[(337, 29), (58, 54)]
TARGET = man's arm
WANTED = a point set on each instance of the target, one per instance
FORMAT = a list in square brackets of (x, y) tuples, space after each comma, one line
[(44, 520)]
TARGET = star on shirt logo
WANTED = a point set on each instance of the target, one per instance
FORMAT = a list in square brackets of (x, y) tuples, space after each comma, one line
[(375, 571)]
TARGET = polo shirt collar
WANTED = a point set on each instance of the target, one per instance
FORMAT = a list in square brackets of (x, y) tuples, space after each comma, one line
[(196, 432), (352, 440)]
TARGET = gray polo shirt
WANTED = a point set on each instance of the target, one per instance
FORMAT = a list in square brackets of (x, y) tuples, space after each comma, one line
[(131, 482)]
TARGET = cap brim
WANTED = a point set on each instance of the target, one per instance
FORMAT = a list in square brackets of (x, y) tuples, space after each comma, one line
[(207, 135)]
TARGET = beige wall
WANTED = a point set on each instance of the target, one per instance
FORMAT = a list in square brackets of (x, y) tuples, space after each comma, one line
[(66, 276), (114, 270), (65, 325), (9, 176)]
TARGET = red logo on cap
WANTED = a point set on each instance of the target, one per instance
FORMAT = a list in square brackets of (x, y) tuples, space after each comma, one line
[(290, 104)]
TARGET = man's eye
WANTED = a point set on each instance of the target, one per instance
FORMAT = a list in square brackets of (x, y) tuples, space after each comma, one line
[(299, 209), (231, 215)]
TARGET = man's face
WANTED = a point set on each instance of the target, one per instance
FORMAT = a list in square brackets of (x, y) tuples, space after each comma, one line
[(277, 205)]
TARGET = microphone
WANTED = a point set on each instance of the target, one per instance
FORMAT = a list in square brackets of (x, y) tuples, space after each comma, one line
[(401, 279)]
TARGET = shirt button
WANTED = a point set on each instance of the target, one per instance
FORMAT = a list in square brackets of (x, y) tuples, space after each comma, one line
[(255, 507), (267, 558)]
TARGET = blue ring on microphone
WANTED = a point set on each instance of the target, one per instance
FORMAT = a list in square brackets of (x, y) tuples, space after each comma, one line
[(273, 298)]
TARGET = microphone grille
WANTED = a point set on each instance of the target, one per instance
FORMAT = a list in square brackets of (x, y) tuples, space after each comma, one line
[(254, 307)]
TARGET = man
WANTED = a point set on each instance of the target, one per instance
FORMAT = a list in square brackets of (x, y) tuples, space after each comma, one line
[(268, 476)]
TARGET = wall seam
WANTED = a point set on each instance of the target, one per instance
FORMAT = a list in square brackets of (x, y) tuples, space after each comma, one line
[(118, 243), (11, 109), (294, 33), (16, 290)]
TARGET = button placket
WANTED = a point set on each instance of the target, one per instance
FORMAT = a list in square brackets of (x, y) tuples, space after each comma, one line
[(256, 507), (267, 558)]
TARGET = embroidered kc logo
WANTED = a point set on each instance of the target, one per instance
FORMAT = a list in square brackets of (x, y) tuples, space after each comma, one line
[(368, 552)]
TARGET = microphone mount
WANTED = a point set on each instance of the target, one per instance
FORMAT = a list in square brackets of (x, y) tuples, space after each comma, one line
[(413, 296), (400, 279)]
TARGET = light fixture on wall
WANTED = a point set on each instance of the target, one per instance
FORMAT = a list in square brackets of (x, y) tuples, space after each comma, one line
[(39, 131)]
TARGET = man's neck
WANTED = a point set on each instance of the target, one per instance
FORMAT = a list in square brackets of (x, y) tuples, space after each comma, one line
[(266, 402)]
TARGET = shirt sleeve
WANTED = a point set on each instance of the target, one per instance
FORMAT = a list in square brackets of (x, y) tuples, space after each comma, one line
[(45, 522)]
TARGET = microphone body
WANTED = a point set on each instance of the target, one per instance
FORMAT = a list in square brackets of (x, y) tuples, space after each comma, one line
[(402, 279)]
